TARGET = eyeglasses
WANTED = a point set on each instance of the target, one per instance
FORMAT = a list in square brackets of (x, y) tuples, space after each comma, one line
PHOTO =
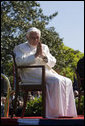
[(34, 38)]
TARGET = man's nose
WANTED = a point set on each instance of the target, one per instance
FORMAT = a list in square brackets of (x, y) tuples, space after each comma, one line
[(36, 39)]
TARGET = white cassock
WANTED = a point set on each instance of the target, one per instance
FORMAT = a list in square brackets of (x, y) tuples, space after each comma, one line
[(60, 98)]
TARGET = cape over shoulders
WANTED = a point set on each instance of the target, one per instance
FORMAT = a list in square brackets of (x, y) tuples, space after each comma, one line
[(25, 46)]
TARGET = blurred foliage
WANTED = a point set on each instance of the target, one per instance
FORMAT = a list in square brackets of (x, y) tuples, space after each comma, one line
[(34, 107), (16, 18), (81, 111)]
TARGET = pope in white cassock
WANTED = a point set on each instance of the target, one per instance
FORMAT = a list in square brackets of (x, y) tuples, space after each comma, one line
[(60, 98)]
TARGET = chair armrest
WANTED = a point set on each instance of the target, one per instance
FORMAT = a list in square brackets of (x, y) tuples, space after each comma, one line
[(34, 66)]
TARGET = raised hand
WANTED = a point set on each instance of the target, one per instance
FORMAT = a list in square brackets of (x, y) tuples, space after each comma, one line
[(39, 50)]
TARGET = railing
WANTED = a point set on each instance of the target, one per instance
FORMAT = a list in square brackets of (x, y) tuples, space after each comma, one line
[(6, 106)]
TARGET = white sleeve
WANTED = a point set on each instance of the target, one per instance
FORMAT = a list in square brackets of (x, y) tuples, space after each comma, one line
[(51, 59), (22, 58)]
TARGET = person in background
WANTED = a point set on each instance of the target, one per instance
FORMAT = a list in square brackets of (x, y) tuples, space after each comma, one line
[(75, 87), (80, 70), (3, 99)]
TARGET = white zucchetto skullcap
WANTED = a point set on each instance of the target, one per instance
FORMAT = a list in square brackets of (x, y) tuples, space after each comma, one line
[(34, 29)]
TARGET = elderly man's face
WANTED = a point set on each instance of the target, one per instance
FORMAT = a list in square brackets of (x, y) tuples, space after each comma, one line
[(34, 38)]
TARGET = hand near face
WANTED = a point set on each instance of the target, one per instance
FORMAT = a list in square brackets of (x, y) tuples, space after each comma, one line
[(39, 50), (39, 53)]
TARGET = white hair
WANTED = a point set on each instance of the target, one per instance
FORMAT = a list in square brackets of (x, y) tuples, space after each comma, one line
[(34, 29)]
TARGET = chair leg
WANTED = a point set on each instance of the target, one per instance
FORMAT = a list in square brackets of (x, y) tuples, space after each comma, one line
[(43, 107), (44, 103), (25, 101), (14, 104)]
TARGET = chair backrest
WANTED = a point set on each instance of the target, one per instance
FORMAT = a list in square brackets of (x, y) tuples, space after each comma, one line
[(15, 72)]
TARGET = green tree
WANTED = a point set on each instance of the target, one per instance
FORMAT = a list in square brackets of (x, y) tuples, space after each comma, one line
[(16, 18)]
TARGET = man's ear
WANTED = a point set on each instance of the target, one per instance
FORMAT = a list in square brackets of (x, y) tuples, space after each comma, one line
[(27, 36)]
